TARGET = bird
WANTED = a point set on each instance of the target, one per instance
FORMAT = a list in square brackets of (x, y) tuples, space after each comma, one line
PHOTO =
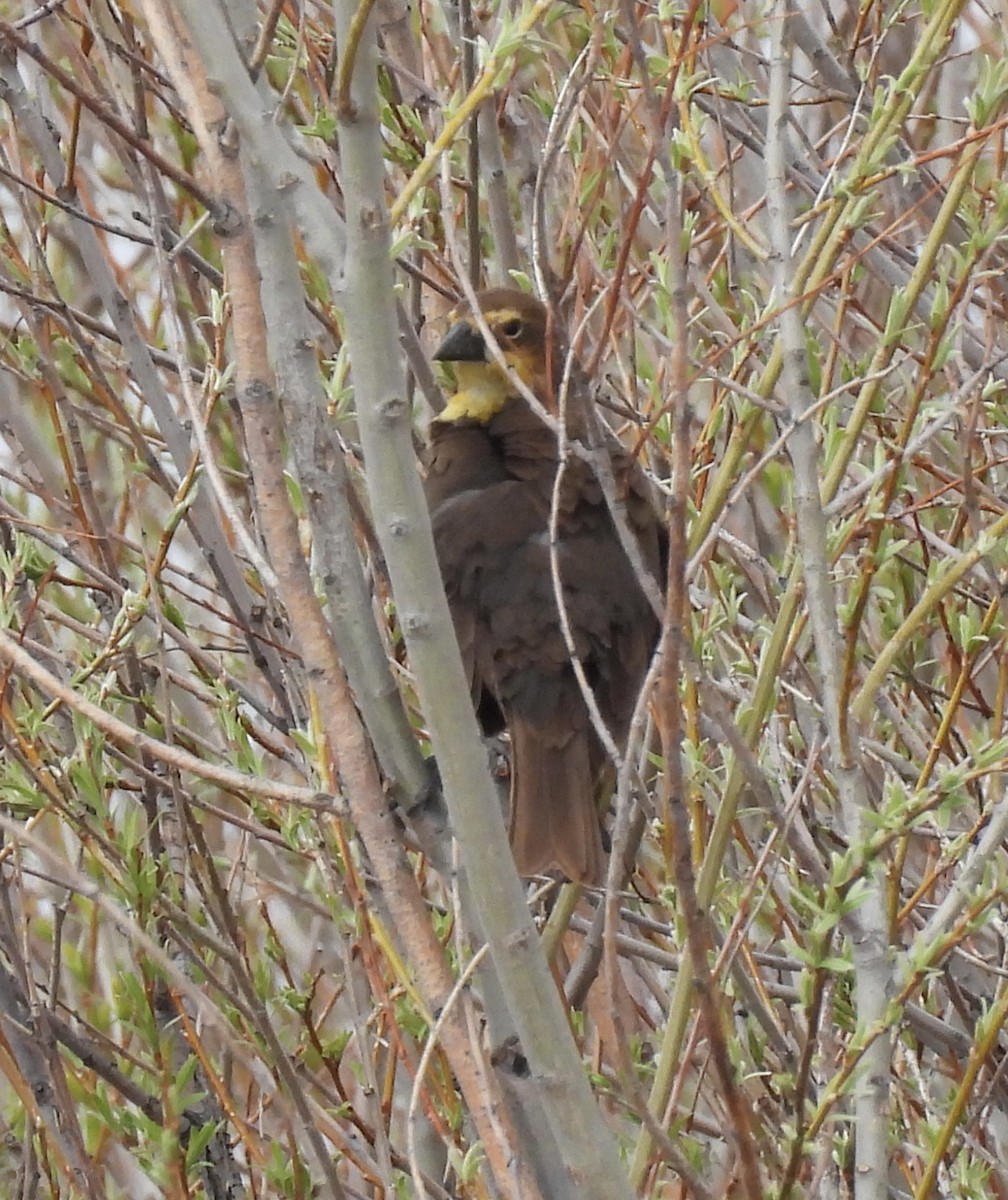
[(491, 467)]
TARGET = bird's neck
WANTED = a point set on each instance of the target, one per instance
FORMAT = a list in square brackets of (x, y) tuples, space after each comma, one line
[(482, 392)]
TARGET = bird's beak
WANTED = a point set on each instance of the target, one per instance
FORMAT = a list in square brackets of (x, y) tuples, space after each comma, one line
[(462, 343)]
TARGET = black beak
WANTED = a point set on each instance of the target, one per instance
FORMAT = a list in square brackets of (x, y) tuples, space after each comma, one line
[(462, 343)]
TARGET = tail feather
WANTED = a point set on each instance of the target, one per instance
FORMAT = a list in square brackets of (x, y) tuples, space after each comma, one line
[(554, 820)]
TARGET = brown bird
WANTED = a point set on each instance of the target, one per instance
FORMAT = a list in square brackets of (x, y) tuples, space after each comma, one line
[(492, 467)]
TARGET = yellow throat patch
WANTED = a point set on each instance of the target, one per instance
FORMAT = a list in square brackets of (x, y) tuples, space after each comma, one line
[(483, 388)]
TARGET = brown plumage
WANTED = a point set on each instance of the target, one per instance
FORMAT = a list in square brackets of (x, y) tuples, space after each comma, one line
[(491, 472)]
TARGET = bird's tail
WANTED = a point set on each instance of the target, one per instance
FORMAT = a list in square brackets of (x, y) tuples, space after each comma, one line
[(554, 819)]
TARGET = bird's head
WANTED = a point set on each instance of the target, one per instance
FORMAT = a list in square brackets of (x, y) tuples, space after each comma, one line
[(519, 325)]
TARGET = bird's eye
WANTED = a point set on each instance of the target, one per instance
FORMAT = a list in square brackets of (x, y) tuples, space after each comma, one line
[(511, 328)]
